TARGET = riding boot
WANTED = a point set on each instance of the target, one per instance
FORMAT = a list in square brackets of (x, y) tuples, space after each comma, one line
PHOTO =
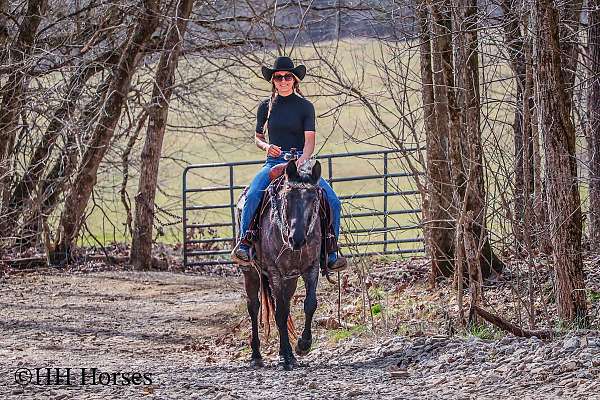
[(241, 254), (336, 263)]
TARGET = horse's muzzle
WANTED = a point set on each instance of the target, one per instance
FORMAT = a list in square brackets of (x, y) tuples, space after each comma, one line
[(296, 242)]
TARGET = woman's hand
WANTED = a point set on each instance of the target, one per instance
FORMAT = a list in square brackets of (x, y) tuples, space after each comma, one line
[(273, 150), (301, 160)]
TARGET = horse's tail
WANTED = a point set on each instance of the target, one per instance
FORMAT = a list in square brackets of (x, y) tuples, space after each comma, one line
[(267, 309), (267, 304)]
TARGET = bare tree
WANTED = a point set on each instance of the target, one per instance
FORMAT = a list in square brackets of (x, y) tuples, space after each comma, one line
[(49, 194), (76, 201), (27, 185), (558, 133), (523, 142), (12, 93), (593, 133), (479, 256), (437, 219), (459, 89), (141, 246)]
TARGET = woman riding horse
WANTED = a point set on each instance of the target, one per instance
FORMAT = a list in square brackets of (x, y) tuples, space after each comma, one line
[(289, 120)]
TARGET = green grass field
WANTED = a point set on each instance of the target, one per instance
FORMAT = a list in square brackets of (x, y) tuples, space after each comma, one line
[(347, 131), (350, 128)]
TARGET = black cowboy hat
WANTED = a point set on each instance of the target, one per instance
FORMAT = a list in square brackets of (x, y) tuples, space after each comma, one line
[(284, 64)]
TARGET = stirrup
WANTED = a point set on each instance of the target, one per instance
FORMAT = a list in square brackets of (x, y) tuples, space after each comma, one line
[(340, 264), (240, 257)]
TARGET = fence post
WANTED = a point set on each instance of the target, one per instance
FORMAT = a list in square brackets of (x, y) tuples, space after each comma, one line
[(232, 203), (385, 200), (185, 171), (329, 171)]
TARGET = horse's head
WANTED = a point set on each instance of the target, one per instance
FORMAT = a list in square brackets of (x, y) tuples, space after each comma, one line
[(300, 200)]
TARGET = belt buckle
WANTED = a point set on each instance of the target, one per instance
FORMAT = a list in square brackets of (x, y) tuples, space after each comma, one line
[(291, 155)]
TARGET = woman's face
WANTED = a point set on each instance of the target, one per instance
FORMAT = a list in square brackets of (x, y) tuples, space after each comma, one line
[(284, 82)]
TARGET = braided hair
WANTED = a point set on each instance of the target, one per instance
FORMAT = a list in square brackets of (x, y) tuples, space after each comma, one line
[(274, 96)]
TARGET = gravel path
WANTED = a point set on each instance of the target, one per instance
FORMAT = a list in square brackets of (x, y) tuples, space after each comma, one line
[(168, 327)]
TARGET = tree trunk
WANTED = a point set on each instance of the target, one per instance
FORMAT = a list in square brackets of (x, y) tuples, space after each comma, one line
[(27, 185), (11, 93), (446, 117), (473, 222), (56, 180), (524, 166), (439, 231), (594, 122), (81, 190), (141, 247), (558, 134), (569, 22), (466, 151), (445, 95)]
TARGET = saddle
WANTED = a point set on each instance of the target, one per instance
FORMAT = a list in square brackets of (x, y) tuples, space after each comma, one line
[(276, 175), (277, 171)]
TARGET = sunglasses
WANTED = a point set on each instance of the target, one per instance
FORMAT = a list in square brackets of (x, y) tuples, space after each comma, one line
[(286, 77)]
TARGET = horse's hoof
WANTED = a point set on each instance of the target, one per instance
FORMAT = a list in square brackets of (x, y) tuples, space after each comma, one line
[(257, 363), (288, 364), (303, 347)]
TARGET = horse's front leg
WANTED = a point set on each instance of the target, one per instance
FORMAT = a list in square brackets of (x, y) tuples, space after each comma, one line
[(252, 284), (310, 305), (282, 313)]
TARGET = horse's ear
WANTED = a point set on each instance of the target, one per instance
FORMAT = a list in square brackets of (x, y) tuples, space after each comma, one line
[(316, 172), (291, 170)]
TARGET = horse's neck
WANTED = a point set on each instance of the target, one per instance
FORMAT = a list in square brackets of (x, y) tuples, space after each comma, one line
[(274, 220), (276, 214)]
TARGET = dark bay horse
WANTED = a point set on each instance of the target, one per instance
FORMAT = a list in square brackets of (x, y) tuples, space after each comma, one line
[(289, 246)]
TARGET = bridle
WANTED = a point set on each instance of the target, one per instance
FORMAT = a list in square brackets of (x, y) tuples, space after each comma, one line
[(279, 210)]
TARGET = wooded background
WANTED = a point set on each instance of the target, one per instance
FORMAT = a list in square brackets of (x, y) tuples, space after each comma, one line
[(504, 97)]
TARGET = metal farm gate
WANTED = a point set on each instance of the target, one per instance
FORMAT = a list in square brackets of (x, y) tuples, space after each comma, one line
[(380, 211)]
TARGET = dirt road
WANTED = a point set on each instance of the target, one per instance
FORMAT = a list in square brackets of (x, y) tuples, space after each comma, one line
[(112, 321), (161, 335)]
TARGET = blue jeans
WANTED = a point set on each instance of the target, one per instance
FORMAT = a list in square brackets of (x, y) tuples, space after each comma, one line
[(257, 189)]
